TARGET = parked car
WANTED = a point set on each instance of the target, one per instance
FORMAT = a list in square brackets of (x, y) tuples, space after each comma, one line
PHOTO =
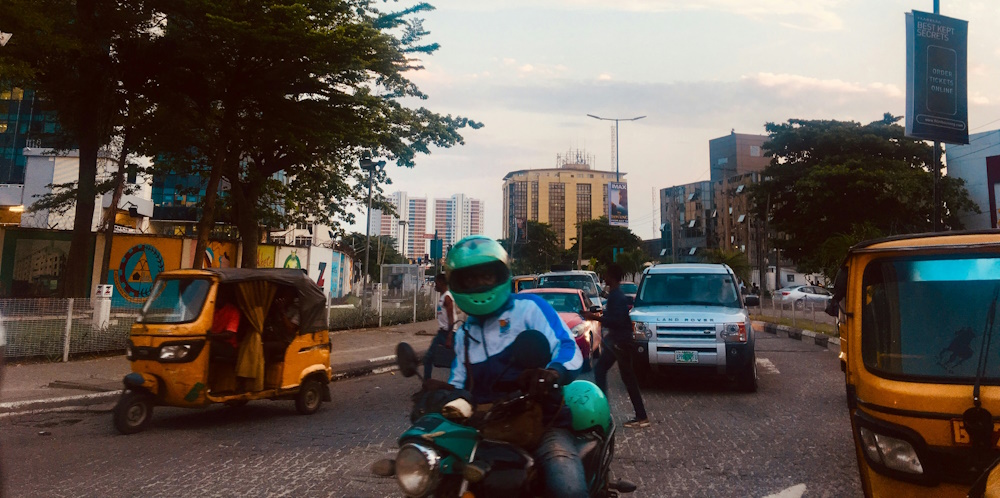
[(573, 279), (800, 295), (569, 303), (689, 318)]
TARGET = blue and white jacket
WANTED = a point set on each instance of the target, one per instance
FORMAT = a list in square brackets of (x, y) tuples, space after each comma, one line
[(490, 337)]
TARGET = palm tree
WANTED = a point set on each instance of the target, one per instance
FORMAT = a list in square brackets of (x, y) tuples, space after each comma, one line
[(734, 259)]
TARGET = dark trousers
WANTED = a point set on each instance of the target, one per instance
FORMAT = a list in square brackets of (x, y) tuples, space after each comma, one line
[(614, 350), (441, 340)]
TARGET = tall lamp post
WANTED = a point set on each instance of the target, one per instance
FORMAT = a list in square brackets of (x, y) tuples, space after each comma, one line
[(616, 120), (368, 165)]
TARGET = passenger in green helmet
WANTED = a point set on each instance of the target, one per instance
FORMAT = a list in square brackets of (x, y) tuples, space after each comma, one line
[(480, 284)]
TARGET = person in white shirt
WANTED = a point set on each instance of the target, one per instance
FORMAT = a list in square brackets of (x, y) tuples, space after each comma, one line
[(446, 323)]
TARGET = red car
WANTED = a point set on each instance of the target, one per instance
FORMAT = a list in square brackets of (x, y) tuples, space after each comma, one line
[(569, 303)]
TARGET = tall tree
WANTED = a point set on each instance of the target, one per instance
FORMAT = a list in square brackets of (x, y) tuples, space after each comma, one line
[(75, 54), (827, 178), (600, 238), (539, 252), (734, 259), (301, 87)]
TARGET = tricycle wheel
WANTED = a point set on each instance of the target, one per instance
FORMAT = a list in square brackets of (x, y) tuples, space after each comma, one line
[(309, 398), (133, 412)]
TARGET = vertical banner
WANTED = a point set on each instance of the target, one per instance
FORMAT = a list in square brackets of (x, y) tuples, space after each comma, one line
[(937, 104), (618, 204)]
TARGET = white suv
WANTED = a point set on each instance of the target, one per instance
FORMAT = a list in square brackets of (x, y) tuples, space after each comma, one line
[(689, 318)]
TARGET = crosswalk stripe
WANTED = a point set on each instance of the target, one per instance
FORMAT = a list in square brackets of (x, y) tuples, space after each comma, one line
[(764, 365)]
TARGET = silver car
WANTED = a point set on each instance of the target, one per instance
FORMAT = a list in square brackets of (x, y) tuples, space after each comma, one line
[(801, 296)]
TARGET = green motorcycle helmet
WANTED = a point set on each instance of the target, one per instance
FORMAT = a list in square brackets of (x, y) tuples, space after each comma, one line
[(478, 275), (588, 405)]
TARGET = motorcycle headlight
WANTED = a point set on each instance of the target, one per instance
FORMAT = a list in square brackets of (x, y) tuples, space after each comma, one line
[(417, 469), (579, 329), (641, 331), (175, 351), (894, 453)]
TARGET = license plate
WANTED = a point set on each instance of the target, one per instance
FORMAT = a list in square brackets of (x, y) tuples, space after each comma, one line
[(962, 437), (685, 357)]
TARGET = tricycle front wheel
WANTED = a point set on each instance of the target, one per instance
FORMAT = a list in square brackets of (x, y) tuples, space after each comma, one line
[(133, 412), (309, 398)]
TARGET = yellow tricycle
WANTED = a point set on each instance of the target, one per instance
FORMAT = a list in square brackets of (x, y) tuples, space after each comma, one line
[(228, 335)]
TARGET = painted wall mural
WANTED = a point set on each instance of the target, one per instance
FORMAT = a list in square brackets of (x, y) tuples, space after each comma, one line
[(135, 263), (265, 256)]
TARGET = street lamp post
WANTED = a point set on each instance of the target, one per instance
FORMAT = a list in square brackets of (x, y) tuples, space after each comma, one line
[(369, 165), (616, 120)]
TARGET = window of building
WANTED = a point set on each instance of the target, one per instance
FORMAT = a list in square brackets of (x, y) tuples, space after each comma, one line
[(740, 188), (755, 151), (730, 210), (557, 209), (583, 202), (742, 217), (534, 201), (691, 224), (790, 278), (715, 213), (692, 251)]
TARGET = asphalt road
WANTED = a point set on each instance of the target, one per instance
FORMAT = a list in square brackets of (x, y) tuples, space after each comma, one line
[(793, 436)]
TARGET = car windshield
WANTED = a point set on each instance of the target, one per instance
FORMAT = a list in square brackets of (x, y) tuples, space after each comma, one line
[(925, 318), (688, 289), (175, 300), (582, 282), (629, 288), (563, 302)]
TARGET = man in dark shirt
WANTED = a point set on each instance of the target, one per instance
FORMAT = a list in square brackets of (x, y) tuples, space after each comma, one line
[(618, 345)]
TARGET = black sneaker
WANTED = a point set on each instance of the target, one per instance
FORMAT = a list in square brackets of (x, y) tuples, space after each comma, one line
[(637, 424)]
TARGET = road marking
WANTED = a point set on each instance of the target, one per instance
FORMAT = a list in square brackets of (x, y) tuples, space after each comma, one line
[(765, 366), (391, 357), (795, 491)]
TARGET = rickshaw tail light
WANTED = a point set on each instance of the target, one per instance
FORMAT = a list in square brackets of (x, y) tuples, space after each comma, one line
[(895, 454)]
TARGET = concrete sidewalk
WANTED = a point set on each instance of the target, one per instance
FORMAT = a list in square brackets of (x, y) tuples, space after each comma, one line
[(43, 386)]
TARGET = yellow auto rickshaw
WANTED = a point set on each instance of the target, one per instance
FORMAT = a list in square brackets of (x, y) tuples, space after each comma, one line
[(227, 335), (920, 349), (523, 282)]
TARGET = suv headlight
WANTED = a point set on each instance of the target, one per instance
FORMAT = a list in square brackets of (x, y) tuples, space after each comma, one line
[(734, 332), (175, 352), (641, 331), (417, 469), (893, 453)]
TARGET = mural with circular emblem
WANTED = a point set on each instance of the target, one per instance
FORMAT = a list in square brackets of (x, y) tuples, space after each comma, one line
[(139, 267)]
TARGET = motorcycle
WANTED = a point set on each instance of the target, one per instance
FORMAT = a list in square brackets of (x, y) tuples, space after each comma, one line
[(459, 451)]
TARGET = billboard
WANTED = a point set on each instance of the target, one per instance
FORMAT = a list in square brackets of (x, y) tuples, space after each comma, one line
[(937, 106), (618, 204)]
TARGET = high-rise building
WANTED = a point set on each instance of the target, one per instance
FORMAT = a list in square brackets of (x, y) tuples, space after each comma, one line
[(560, 196), (457, 217), (736, 154), (416, 229)]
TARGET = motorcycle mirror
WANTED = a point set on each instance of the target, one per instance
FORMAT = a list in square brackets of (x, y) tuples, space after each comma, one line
[(531, 350), (406, 359)]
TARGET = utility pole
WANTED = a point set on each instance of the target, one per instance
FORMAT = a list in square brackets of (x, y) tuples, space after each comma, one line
[(368, 164), (936, 213)]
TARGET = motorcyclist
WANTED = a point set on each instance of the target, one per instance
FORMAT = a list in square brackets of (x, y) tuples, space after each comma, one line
[(479, 275)]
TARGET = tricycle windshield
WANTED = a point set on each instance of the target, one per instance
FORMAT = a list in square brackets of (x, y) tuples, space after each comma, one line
[(175, 300), (924, 318)]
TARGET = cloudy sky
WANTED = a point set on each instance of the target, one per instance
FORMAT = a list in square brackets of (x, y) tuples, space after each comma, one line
[(531, 71)]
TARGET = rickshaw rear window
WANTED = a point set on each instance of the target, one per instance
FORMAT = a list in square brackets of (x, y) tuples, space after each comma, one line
[(925, 318), (175, 300)]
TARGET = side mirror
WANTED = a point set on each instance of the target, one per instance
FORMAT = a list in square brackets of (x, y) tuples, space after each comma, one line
[(604, 294), (406, 359), (751, 300), (530, 350), (595, 309)]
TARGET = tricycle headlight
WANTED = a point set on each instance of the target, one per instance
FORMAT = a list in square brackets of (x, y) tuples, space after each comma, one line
[(417, 469), (175, 351), (894, 453)]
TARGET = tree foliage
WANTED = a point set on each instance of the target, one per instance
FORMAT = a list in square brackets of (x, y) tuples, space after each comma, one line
[(836, 178), (539, 253), (84, 59), (736, 260), (600, 238)]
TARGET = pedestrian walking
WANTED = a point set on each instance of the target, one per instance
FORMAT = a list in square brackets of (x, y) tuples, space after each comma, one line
[(442, 349), (618, 345)]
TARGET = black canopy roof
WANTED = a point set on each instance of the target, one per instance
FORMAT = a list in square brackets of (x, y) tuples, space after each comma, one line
[(312, 301)]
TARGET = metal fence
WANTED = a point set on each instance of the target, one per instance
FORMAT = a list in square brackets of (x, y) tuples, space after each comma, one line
[(811, 311), (55, 329)]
